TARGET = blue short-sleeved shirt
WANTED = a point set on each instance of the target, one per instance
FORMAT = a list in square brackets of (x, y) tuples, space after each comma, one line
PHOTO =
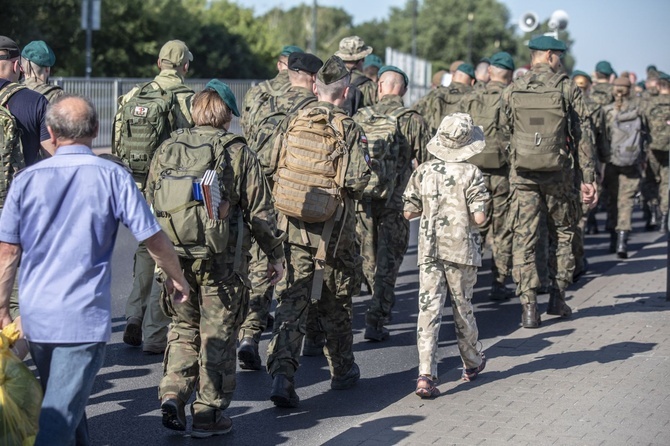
[(64, 212), (30, 109)]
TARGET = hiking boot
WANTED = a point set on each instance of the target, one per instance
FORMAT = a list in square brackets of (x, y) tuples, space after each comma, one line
[(372, 333), (222, 425), (500, 292), (248, 356), (174, 416), (612, 242), (622, 244), (557, 305), (283, 392), (471, 374), (652, 218), (426, 387), (663, 224), (347, 380), (132, 335), (313, 347), (530, 318)]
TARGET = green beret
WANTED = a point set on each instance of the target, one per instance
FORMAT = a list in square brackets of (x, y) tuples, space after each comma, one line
[(486, 60), (580, 73), (642, 85), (226, 94), (39, 52), (503, 60), (546, 43), (651, 68), (605, 68), (289, 49), (663, 76), (372, 60), (467, 69), (386, 68), (332, 71)]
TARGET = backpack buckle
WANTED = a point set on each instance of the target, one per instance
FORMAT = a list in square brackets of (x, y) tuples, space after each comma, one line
[(538, 139)]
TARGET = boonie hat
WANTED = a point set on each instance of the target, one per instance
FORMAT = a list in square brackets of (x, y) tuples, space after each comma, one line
[(502, 60), (306, 62), (457, 138), (467, 69), (290, 49), (604, 67), (176, 52), (546, 43), (353, 48), (372, 60), (226, 94), (39, 52), (10, 46), (332, 70), (386, 68)]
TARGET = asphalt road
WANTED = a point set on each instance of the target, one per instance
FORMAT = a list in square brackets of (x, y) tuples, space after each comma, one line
[(124, 407)]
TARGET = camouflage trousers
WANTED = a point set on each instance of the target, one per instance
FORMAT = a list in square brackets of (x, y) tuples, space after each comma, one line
[(529, 203), (436, 279), (384, 237), (578, 239), (202, 340), (143, 301), (622, 184), (655, 182), (495, 227), (260, 298), (333, 312)]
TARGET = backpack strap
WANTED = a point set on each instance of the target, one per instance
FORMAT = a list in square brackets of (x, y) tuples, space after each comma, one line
[(8, 91)]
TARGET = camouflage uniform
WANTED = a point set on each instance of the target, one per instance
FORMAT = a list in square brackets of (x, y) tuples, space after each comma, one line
[(655, 183), (553, 193), (440, 102), (602, 93), (294, 292), (51, 92), (383, 232), (260, 299), (368, 87), (449, 252), (277, 85), (140, 305), (203, 333)]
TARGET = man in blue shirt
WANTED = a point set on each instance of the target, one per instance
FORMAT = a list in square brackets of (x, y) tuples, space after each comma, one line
[(61, 218)]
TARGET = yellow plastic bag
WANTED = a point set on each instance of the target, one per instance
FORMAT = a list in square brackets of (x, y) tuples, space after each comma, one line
[(20, 394)]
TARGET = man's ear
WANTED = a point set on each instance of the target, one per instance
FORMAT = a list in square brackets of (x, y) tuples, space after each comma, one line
[(314, 89), (53, 137)]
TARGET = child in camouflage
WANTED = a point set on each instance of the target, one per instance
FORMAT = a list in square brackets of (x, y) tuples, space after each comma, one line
[(449, 195)]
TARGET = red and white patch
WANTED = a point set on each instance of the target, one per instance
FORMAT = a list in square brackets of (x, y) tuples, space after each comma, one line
[(364, 139), (140, 111)]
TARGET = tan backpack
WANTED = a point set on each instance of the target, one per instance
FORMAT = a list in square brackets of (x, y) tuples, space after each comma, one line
[(312, 165)]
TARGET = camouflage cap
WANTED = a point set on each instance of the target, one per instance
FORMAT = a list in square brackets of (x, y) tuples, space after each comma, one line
[(546, 43), (503, 60), (386, 68), (39, 52), (332, 70), (290, 49), (622, 81), (226, 94), (175, 52), (372, 60), (581, 73), (467, 69), (306, 62), (457, 138), (353, 48), (604, 67), (10, 46)]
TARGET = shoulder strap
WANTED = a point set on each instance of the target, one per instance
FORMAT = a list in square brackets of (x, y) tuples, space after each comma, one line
[(8, 91), (300, 105)]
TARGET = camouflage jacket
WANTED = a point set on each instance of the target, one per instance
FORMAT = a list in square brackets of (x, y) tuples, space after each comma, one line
[(250, 198), (277, 85), (657, 110), (446, 194), (583, 151), (440, 102), (49, 91), (601, 93), (368, 87), (356, 178), (415, 131), (288, 101)]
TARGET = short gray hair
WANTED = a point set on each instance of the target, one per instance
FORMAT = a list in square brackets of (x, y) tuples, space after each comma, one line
[(71, 122)]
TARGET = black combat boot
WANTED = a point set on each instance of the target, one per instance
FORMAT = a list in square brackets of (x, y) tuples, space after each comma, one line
[(248, 355), (591, 224), (622, 244), (313, 346), (557, 305), (663, 226), (530, 316), (652, 218), (612, 242), (500, 292), (283, 392)]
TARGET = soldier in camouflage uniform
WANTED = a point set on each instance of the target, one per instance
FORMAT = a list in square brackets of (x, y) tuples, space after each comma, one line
[(353, 51), (371, 66), (382, 230), (500, 69), (443, 101), (143, 314), (302, 69), (203, 333), (601, 91), (277, 85), (622, 179), (482, 76), (450, 196), (37, 59), (551, 192), (294, 293)]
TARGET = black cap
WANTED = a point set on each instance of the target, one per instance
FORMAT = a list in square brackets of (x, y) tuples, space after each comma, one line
[(306, 62), (9, 45)]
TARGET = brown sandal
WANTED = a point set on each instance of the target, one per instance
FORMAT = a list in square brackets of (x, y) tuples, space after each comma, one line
[(425, 387)]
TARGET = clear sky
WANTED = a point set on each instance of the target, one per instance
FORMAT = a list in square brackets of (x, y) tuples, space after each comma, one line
[(629, 34)]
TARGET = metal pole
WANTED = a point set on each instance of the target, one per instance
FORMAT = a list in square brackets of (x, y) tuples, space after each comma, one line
[(314, 15), (414, 14), (89, 36), (471, 17)]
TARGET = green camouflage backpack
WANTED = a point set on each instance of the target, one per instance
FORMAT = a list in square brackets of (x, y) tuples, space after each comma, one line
[(179, 163), (541, 121), (601, 94), (275, 110), (11, 151), (146, 120), (384, 145), (659, 122), (484, 107), (50, 91), (624, 135)]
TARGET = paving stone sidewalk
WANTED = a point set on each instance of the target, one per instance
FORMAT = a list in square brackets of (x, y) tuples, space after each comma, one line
[(600, 378)]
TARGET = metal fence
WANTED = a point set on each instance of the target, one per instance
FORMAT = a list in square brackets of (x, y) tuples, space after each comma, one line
[(104, 93)]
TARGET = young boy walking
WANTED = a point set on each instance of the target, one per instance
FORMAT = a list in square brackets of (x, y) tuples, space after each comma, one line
[(449, 195)]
